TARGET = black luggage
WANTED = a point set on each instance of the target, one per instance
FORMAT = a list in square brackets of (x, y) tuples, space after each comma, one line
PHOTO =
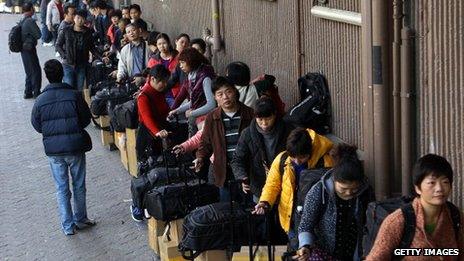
[(313, 111), (209, 228), (98, 72), (104, 100), (94, 88), (125, 115)]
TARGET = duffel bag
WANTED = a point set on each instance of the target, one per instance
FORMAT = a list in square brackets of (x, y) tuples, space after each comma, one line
[(126, 115), (94, 88), (98, 102), (174, 201), (209, 228)]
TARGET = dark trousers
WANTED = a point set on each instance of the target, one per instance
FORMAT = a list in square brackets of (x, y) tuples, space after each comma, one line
[(33, 71)]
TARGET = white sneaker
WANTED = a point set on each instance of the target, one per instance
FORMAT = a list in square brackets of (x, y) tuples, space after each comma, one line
[(57, 54), (47, 44)]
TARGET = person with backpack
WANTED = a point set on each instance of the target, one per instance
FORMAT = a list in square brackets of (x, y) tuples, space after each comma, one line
[(29, 33), (239, 74), (334, 210), (257, 147), (437, 222), (74, 45), (304, 150), (153, 126), (61, 114)]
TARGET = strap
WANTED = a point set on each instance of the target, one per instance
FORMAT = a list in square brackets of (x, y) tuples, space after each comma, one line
[(246, 93), (456, 218), (409, 228), (282, 163)]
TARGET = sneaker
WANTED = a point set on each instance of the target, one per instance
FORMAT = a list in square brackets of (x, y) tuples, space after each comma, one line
[(69, 232), (28, 96), (85, 224), (47, 44), (57, 54), (146, 214), (136, 213)]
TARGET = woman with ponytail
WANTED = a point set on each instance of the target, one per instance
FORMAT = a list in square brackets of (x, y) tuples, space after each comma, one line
[(333, 216)]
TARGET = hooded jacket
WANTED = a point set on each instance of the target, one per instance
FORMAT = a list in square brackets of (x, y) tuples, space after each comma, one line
[(284, 184), (319, 219)]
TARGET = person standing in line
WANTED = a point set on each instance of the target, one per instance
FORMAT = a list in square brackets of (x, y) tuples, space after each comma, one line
[(69, 13), (30, 33), (46, 34), (60, 114), (55, 14)]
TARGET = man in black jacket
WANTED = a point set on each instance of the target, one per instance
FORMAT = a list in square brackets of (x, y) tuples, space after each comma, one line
[(257, 147), (74, 45), (60, 114)]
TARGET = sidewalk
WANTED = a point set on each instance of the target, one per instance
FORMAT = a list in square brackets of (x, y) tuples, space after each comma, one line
[(29, 222)]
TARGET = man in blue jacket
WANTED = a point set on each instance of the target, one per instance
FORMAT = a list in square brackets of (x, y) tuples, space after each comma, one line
[(61, 114)]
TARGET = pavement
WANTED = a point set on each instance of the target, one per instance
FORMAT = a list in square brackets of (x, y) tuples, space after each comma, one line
[(29, 221)]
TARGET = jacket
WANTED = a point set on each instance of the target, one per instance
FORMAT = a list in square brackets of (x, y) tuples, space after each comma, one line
[(61, 114), (102, 23), (178, 77), (53, 14), (67, 42), (156, 59), (153, 109), (213, 140), (250, 158), (248, 95), (284, 184), (125, 61), (319, 219), (30, 33), (390, 234)]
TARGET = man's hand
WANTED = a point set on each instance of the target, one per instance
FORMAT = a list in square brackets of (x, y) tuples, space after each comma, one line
[(260, 208), (162, 134), (302, 254), (188, 113), (50, 28), (197, 164), (114, 74), (138, 81), (178, 149)]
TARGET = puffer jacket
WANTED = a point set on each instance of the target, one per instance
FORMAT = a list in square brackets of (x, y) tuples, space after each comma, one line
[(319, 219), (284, 184), (61, 114), (250, 158)]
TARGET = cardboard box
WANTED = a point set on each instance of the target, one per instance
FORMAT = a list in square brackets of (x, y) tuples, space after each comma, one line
[(107, 137), (131, 136), (155, 230), (86, 93), (213, 255), (169, 251), (120, 142), (173, 231), (261, 253)]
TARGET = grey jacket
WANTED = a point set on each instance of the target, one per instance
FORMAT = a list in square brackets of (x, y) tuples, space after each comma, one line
[(319, 219), (30, 33), (125, 61)]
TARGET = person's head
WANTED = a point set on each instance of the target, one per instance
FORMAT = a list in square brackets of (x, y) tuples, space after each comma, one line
[(182, 42), (151, 41), (135, 11), (125, 12), (133, 32), (79, 18), (299, 145), (265, 86), (163, 43), (432, 178), (142, 26), (159, 77), (265, 113), (69, 12), (28, 8), (53, 71), (199, 44), (190, 60), (225, 94), (238, 73), (97, 6), (115, 16), (123, 22), (348, 172)]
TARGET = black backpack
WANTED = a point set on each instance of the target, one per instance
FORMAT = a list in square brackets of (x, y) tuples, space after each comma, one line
[(379, 210), (125, 115), (313, 111), (15, 41)]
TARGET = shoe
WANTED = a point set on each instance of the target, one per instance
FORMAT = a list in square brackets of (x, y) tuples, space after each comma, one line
[(136, 213), (85, 224), (47, 44), (69, 232), (146, 214), (57, 54), (35, 95), (28, 96)]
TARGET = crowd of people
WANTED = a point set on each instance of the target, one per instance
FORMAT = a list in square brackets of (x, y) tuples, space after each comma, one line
[(235, 132)]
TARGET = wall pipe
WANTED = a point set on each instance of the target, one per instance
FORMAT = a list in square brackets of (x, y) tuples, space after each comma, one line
[(337, 15), (406, 110), (214, 39), (380, 84)]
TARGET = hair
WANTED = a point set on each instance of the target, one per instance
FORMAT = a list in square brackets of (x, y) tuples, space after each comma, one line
[(166, 38), (200, 42), (265, 107), (151, 39), (348, 167), (125, 8), (160, 73), (135, 25), (27, 7), (67, 6), (239, 73), (431, 164), (82, 13), (115, 13), (125, 21), (136, 7), (299, 143), (193, 58), (183, 35), (99, 4), (141, 25), (221, 81), (53, 71)]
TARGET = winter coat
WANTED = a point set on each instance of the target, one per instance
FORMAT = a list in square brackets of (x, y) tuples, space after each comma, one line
[(67, 42), (30, 33), (61, 114), (156, 59), (153, 109), (250, 158), (53, 14), (319, 219), (284, 184)]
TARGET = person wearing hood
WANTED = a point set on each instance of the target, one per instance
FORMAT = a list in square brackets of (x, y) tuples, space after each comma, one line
[(334, 211), (305, 150)]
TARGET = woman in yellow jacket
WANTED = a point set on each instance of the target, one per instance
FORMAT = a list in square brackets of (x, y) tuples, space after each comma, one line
[(306, 150)]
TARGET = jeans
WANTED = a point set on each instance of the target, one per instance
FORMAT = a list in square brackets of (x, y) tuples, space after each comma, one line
[(33, 72), (76, 165), (46, 34), (75, 75)]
